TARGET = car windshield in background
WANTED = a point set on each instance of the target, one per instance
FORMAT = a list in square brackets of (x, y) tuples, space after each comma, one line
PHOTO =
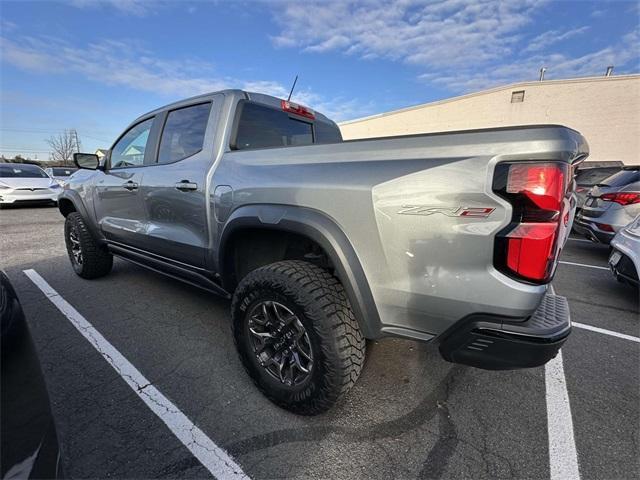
[(62, 172), (622, 178), (592, 176), (21, 171)]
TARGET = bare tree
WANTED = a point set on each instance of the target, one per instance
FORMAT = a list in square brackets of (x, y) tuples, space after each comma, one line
[(63, 146)]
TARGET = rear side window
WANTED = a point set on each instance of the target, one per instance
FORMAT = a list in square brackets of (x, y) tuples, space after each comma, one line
[(262, 127), (183, 133), (622, 178)]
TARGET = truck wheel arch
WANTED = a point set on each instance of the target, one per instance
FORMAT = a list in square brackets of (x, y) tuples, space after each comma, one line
[(70, 201), (319, 229)]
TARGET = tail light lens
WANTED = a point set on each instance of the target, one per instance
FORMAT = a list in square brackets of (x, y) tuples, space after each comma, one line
[(605, 227), (528, 247), (623, 198)]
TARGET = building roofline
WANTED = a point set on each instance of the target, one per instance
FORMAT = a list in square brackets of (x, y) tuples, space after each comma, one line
[(493, 90)]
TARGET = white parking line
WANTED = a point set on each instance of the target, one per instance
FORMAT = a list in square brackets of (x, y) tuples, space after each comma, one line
[(212, 457), (582, 265), (606, 332), (598, 329), (563, 457)]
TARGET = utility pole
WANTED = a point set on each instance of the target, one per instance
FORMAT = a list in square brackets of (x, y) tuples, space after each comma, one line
[(75, 136)]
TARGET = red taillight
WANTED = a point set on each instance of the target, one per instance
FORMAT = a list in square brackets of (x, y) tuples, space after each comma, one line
[(297, 109), (530, 249), (605, 227), (527, 247), (623, 198), (542, 184)]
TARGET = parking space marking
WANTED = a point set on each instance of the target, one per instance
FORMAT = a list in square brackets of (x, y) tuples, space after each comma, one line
[(606, 332), (583, 265), (563, 457), (212, 457)]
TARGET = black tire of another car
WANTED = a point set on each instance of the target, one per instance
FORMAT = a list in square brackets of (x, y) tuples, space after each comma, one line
[(88, 258), (310, 294)]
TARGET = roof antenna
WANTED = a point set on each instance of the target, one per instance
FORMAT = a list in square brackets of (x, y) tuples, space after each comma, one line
[(292, 87)]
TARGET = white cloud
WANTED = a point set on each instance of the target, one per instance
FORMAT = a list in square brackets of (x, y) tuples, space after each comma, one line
[(133, 7), (551, 37), (420, 32), (128, 64), (461, 45)]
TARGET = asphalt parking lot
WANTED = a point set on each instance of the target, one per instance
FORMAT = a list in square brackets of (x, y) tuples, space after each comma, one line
[(411, 415)]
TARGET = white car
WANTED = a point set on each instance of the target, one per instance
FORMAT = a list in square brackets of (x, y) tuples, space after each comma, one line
[(60, 174), (22, 183), (624, 260)]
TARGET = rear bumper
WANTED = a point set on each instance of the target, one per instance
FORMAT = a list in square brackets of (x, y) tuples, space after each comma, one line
[(623, 263), (492, 343), (591, 231)]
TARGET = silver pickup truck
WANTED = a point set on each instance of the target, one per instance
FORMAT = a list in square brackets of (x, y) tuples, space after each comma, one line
[(322, 243)]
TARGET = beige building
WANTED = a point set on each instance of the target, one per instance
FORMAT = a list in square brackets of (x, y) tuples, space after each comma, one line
[(606, 110)]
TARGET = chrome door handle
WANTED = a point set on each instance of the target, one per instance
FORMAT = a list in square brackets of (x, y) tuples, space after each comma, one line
[(186, 186), (130, 185)]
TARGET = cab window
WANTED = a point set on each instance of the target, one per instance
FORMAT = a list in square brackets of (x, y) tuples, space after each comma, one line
[(183, 133), (261, 126), (129, 150)]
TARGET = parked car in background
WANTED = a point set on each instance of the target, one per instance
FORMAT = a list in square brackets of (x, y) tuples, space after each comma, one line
[(624, 260), (23, 183), (323, 243), (28, 439), (60, 174), (610, 205), (588, 176)]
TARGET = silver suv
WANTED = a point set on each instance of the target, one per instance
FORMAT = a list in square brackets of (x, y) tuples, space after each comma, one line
[(610, 205), (320, 243)]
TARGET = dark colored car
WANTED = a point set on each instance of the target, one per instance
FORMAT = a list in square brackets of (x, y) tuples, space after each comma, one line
[(29, 441), (610, 205), (587, 177)]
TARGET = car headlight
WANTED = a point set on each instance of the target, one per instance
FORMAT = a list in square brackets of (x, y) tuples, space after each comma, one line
[(54, 186), (4, 187)]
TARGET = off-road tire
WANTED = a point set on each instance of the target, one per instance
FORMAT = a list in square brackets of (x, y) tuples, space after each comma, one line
[(320, 302), (96, 260)]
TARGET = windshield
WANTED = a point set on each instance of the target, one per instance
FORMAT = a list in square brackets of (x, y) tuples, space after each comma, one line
[(21, 171), (62, 172)]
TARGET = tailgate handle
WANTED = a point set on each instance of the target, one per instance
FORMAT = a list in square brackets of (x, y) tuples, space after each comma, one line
[(186, 186), (130, 185)]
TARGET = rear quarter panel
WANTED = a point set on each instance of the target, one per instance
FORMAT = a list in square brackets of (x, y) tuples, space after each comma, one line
[(425, 271)]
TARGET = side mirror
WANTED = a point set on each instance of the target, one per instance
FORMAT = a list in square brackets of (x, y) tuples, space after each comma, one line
[(88, 161)]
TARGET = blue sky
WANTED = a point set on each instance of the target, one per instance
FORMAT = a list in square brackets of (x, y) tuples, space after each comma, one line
[(94, 65)]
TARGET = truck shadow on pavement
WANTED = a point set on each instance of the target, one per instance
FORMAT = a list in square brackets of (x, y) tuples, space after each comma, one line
[(393, 367), (435, 402)]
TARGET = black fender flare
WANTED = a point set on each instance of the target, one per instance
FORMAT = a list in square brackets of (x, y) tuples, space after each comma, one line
[(79, 206), (324, 231)]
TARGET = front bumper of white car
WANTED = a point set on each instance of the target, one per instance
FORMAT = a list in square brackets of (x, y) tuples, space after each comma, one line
[(29, 195)]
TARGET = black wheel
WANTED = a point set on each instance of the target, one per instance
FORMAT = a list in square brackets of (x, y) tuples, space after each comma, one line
[(88, 258), (297, 336)]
